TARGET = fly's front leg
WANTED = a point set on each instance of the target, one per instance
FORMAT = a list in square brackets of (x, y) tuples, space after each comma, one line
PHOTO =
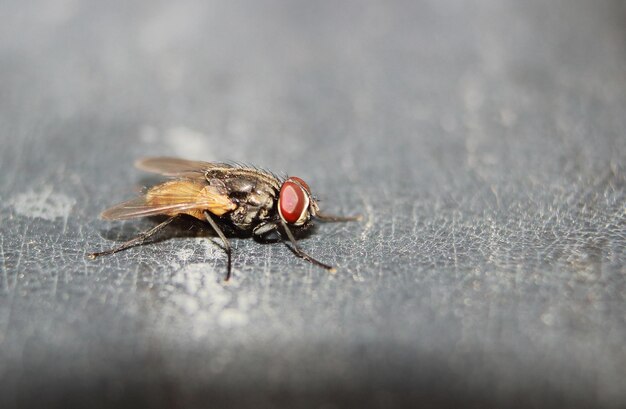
[(134, 242), (300, 253), (227, 246), (262, 231)]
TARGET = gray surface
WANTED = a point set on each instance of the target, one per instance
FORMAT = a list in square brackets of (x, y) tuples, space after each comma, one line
[(482, 141)]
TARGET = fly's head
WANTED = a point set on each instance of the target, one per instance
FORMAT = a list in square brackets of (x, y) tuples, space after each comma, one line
[(296, 205)]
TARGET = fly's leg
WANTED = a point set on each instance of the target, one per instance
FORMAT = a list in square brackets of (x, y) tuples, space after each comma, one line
[(298, 251), (227, 246), (331, 218), (264, 232), (264, 229), (134, 242)]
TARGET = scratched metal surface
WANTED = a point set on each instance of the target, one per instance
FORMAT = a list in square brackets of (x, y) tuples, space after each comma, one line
[(482, 141)]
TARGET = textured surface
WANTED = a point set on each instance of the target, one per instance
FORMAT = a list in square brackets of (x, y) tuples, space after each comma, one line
[(483, 141)]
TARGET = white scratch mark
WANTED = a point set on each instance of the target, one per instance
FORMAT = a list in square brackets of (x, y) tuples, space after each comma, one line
[(454, 250), (393, 220), (43, 204), (547, 319), (5, 276), (212, 250), (414, 219), (209, 250), (207, 300), (369, 217), (20, 253), (184, 254)]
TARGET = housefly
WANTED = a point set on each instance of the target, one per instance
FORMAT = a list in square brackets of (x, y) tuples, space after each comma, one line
[(247, 200)]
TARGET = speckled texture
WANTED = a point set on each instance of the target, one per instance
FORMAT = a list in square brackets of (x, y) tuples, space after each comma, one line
[(483, 142)]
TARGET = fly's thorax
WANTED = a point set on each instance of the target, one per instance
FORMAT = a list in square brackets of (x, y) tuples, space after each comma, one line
[(254, 208), (240, 179), (255, 200)]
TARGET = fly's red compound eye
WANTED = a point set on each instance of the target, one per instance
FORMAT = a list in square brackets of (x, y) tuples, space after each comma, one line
[(302, 183), (293, 201)]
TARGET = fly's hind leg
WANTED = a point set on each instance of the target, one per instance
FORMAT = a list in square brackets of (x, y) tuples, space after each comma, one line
[(134, 242), (227, 245)]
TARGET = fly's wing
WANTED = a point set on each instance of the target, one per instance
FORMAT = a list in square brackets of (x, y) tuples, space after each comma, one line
[(172, 198), (175, 167)]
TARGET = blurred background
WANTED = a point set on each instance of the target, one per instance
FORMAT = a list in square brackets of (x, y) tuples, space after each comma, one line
[(482, 141)]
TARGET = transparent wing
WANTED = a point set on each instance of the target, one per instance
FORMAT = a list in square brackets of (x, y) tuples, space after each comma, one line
[(177, 167), (139, 207), (171, 198)]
